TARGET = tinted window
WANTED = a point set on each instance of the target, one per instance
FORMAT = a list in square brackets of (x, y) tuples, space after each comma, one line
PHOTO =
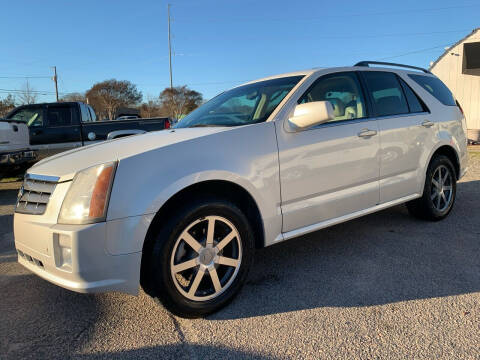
[(32, 116), (386, 93), (414, 103), (435, 87), (59, 116), (343, 91), (85, 114)]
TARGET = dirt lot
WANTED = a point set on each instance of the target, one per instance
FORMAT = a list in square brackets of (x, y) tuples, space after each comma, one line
[(385, 286)]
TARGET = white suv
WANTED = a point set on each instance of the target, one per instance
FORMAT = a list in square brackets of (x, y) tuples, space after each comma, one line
[(181, 211)]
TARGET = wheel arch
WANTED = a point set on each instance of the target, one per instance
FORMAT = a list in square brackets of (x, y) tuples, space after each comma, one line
[(224, 188), (452, 155)]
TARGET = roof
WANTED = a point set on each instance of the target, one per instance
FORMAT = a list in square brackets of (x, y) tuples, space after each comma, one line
[(318, 70), (451, 47), (51, 103)]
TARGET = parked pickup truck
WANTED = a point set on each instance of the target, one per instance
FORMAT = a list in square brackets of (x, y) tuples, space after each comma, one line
[(14, 146), (57, 127)]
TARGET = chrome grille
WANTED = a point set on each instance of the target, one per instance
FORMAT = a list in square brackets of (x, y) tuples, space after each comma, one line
[(35, 193)]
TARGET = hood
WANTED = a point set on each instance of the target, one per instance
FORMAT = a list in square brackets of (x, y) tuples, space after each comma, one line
[(66, 164)]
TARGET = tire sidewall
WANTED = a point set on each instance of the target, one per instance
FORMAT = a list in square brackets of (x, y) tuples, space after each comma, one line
[(439, 161), (162, 281)]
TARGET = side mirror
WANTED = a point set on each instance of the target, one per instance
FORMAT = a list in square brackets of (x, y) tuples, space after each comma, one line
[(310, 114)]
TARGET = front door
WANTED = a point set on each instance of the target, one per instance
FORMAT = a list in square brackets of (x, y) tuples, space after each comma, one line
[(330, 170)]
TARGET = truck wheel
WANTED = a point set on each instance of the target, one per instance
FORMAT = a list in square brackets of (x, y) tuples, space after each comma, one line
[(438, 193), (200, 257)]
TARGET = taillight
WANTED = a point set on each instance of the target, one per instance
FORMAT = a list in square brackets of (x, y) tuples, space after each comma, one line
[(461, 110), (167, 124)]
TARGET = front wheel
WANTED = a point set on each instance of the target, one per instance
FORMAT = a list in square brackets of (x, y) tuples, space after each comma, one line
[(438, 193), (201, 257)]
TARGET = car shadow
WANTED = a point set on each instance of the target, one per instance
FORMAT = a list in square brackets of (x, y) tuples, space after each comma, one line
[(40, 320), (8, 196), (382, 258)]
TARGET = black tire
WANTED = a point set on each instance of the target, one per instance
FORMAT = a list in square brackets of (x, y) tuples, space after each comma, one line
[(424, 207), (160, 282)]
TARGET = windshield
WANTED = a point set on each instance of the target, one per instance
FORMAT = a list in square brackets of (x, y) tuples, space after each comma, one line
[(243, 105)]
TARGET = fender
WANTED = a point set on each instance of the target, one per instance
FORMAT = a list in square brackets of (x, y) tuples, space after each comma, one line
[(116, 244), (444, 140)]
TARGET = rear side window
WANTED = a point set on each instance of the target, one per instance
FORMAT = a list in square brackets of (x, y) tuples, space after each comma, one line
[(85, 113), (414, 103), (59, 116), (435, 87), (92, 113), (386, 93)]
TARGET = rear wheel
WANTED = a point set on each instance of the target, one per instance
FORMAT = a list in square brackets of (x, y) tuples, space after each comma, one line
[(201, 257), (438, 193)]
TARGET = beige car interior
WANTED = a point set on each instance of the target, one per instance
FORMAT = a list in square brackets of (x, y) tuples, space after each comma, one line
[(344, 94)]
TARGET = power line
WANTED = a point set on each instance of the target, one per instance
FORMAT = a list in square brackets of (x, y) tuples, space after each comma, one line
[(24, 77), (343, 15), (414, 52)]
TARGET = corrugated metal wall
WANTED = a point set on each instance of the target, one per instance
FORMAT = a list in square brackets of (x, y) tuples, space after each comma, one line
[(466, 88)]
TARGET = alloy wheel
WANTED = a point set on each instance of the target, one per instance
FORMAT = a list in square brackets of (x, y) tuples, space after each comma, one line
[(206, 258), (442, 188)]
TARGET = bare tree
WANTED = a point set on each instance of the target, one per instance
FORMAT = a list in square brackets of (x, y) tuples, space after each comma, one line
[(73, 97), (151, 108), (6, 105), (179, 101), (108, 96), (27, 95)]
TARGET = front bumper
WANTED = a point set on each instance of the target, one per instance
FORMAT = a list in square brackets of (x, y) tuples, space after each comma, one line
[(17, 157), (74, 256)]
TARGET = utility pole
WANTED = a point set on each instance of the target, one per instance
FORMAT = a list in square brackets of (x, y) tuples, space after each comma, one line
[(55, 80), (170, 48)]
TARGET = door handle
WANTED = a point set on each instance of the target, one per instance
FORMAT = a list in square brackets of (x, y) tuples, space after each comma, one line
[(366, 133), (427, 123)]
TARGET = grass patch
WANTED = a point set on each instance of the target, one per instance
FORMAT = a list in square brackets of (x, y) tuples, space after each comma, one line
[(10, 179), (474, 154)]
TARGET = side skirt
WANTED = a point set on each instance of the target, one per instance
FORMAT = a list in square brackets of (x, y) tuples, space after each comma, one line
[(321, 225)]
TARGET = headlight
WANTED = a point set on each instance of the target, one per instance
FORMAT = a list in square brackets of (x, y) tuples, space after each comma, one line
[(87, 198)]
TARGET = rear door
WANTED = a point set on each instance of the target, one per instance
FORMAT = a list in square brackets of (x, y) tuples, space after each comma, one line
[(407, 133), (62, 130)]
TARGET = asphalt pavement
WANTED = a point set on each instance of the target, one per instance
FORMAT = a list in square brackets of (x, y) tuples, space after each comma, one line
[(385, 286)]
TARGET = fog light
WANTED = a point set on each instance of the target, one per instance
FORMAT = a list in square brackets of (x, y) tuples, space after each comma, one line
[(62, 246)]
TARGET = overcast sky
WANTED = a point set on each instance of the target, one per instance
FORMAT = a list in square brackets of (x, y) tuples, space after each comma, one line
[(217, 44)]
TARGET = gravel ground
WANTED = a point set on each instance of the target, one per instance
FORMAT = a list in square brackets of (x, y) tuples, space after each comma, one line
[(385, 286)]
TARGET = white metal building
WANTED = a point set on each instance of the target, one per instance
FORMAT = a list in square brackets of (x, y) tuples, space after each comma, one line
[(459, 68)]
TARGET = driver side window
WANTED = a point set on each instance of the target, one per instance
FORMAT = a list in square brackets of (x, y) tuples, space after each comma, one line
[(344, 93)]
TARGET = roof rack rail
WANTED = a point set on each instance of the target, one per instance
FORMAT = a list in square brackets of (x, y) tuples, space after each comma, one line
[(368, 63)]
